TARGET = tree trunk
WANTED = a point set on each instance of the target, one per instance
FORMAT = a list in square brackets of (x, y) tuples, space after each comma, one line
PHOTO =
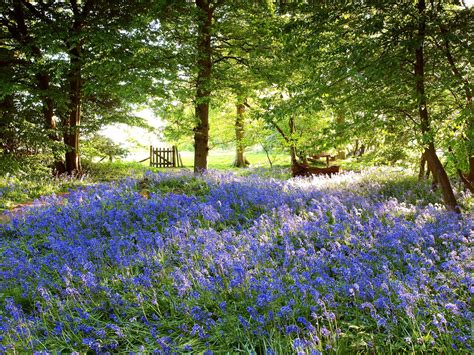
[(42, 78), (303, 158), (424, 175), (240, 161), (293, 154), (50, 122), (71, 132), (203, 91), (356, 148), (430, 151), (341, 119), (267, 153), (421, 173), (470, 175), (430, 169), (468, 185), (48, 112), (8, 142)]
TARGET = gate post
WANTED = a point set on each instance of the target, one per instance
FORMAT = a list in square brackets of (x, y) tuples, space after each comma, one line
[(175, 149), (151, 155)]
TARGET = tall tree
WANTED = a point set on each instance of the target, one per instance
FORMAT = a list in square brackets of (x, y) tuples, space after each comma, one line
[(454, 40), (379, 61), (426, 129), (72, 52), (203, 82), (210, 38)]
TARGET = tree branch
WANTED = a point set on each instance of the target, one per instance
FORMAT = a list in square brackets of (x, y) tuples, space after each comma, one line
[(75, 9), (227, 57), (452, 64), (38, 14), (280, 131)]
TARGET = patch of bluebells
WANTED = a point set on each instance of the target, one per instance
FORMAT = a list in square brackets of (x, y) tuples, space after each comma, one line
[(312, 263)]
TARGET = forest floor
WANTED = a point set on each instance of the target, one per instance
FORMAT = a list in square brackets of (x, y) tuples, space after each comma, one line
[(173, 262)]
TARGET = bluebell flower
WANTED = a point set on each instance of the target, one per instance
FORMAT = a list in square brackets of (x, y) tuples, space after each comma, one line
[(291, 329)]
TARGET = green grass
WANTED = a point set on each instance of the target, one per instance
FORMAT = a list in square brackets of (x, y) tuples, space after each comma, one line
[(111, 171), (224, 159), (19, 190)]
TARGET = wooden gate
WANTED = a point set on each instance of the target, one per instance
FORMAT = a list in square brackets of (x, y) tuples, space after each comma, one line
[(165, 157)]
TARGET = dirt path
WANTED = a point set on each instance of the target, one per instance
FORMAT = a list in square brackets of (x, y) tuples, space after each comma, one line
[(5, 217)]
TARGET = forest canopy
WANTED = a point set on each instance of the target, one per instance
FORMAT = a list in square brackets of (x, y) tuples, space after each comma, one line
[(388, 81)]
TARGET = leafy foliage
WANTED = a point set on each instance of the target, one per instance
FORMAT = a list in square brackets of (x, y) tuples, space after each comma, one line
[(104, 147)]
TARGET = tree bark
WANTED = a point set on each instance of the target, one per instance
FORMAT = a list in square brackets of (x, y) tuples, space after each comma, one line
[(240, 161), (429, 169), (8, 143), (48, 107), (293, 154), (203, 91), (23, 36), (430, 151), (421, 172), (341, 119), (267, 153), (73, 119), (356, 148), (71, 132)]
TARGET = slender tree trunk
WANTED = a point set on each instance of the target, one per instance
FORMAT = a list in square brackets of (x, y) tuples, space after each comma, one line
[(71, 133), (468, 185), (267, 153), (48, 107), (430, 151), (240, 161), (203, 91), (42, 78), (73, 119), (293, 154), (430, 169), (303, 158), (7, 137), (341, 119), (421, 172), (356, 148), (289, 140)]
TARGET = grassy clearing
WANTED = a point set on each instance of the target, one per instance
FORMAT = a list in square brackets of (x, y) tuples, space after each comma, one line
[(224, 160)]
